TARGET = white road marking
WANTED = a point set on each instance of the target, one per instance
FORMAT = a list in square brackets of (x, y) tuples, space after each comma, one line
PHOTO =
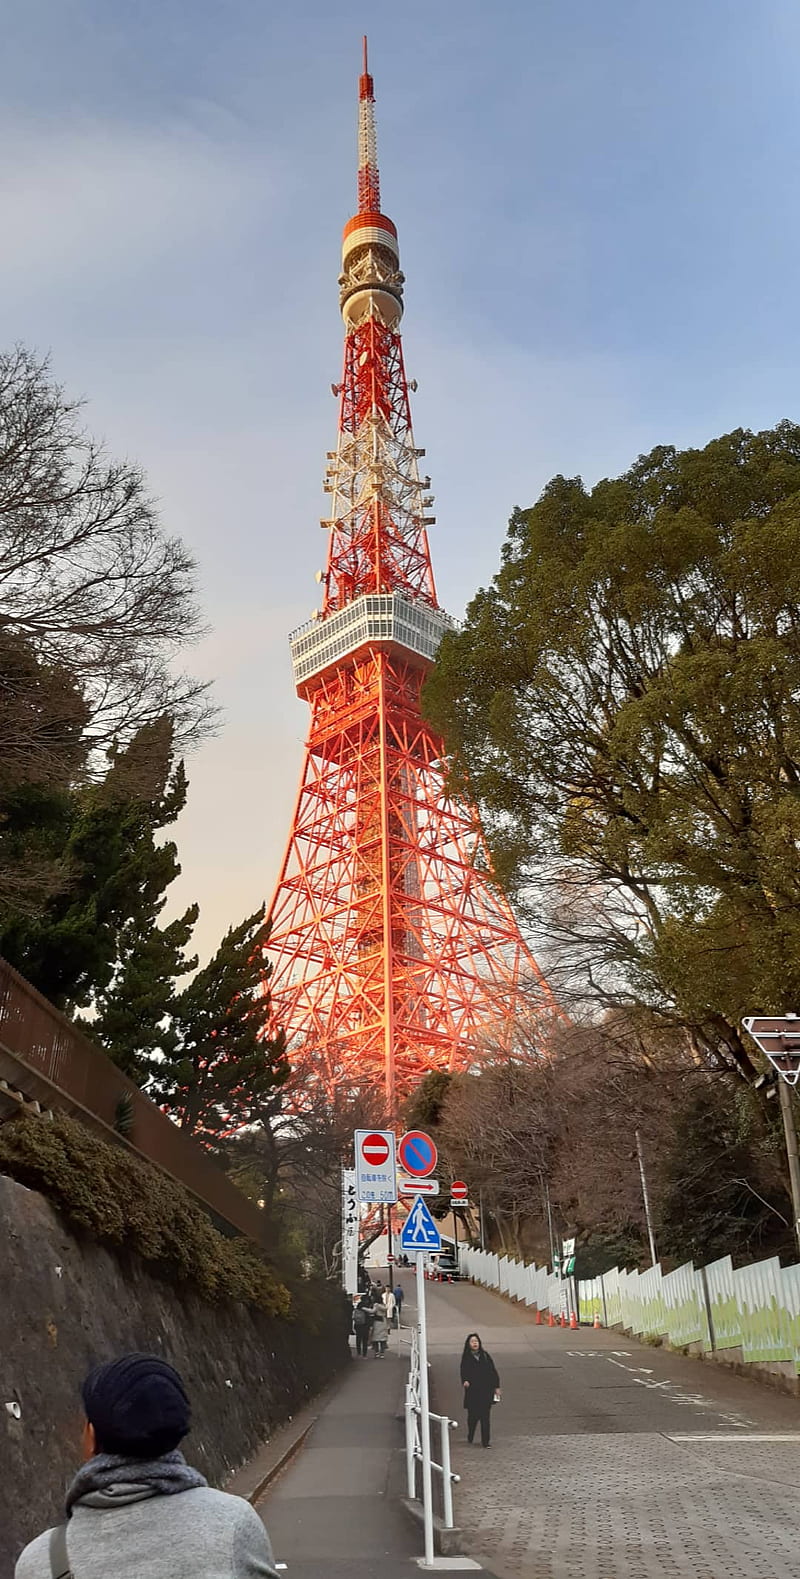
[(727, 1436)]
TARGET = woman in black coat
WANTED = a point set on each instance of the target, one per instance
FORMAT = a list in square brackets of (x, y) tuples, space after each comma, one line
[(481, 1382)]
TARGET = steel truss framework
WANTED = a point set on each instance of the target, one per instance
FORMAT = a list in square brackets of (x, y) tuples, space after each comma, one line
[(392, 950)]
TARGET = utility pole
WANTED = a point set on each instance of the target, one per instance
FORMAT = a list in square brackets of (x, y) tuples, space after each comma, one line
[(549, 1212), (646, 1199), (778, 1036), (790, 1131)]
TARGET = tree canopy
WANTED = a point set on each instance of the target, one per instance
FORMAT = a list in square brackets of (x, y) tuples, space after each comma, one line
[(624, 704), (89, 579)]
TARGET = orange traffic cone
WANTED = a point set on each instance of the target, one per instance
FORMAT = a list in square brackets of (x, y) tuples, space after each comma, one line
[(552, 1321), (563, 1319), (597, 1322), (573, 1321), (538, 1317)]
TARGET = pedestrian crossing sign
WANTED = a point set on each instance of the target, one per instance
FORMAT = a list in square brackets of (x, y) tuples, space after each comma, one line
[(419, 1229)]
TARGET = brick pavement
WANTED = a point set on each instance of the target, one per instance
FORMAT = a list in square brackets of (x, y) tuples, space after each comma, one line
[(611, 1460)]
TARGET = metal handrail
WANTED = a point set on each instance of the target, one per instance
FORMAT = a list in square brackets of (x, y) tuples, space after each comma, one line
[(414, 1443)]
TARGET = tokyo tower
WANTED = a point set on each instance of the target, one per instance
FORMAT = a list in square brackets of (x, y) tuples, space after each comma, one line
[(393, 953)]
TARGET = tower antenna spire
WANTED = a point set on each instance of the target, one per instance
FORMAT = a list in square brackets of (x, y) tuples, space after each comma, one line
[(369, 184)]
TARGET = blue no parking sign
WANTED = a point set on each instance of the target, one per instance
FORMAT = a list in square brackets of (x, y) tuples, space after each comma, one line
[(417, 1154)]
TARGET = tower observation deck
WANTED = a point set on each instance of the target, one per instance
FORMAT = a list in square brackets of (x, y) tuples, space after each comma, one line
[(392, 950)]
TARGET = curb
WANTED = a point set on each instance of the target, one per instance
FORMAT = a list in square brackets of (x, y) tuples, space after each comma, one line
[(288, 1454), (446, 1543)]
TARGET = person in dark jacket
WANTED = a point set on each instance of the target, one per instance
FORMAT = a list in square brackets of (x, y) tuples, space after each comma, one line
[(362, 1325), (136, 1508), (481, 1385)]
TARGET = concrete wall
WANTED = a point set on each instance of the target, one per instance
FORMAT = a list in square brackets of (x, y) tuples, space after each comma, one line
[(67, 1304)]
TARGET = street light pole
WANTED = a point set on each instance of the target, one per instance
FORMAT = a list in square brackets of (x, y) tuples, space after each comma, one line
[(549, 1211), (790, 1132), (646, 1199)]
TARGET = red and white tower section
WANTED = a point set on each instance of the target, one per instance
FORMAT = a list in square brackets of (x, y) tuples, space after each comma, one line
[(393, 952)]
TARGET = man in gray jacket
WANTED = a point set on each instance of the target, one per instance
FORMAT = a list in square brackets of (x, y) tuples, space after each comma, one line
[(136, 1509)]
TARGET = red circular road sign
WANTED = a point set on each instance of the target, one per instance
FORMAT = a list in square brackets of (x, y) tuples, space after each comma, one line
[(458, 1190), (375, 1150), (417, 1154)]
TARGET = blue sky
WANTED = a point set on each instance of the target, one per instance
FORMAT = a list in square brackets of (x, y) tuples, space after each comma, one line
[(598, 217)]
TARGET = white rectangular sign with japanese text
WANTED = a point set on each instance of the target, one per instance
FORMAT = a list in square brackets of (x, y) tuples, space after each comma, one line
[(349, 1231)]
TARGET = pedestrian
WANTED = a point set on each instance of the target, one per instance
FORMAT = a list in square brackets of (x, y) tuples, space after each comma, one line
[(362, 1323), (135, 1507), (389, 1305), (481, 1386), (380, 1330), (399, 1296)]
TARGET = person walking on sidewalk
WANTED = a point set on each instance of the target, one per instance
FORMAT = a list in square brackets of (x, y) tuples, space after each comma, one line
[(389, 1305), (136, 1508), (380, 1330), (481, 1385), (362, 1322), (399, 1296)]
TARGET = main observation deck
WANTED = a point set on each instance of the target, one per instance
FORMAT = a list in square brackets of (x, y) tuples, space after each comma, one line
[(385, 619)]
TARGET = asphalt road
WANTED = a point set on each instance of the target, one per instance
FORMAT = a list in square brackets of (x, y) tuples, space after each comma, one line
[(611, 1460)]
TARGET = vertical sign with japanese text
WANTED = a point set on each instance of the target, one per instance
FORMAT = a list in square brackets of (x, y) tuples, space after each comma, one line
[(349, 1231)]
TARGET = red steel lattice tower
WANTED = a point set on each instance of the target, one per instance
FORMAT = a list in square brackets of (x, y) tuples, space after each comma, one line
[(393, 952)]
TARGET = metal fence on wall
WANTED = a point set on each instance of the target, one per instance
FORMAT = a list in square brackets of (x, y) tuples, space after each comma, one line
[(753, 1308), (47, 1058)]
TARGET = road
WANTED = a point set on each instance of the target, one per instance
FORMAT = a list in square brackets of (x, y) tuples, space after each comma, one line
[(612, 1460)]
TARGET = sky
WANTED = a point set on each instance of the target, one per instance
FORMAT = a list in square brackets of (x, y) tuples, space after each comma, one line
[(599, 228)]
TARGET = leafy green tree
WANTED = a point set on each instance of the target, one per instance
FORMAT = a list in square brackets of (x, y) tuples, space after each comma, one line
[(218, 1071), (624, 702)]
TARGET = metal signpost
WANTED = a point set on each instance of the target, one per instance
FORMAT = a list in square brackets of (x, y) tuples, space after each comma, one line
[(420, 1237), (779, 1037), (376, 1171)]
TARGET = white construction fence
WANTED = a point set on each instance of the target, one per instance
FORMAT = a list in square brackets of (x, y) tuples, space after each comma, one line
[(715, 1307)]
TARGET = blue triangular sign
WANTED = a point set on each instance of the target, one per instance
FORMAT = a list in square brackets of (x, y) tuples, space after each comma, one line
[(419, 1229)]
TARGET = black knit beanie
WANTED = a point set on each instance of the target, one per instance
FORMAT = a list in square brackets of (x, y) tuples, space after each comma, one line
[(137, 1405)]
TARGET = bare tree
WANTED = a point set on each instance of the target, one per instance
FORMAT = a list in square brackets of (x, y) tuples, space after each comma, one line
[(88, 577)]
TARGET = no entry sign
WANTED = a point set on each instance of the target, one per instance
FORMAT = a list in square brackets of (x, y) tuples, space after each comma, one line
[(417, 1154), (376, 1174), (458, 1190)]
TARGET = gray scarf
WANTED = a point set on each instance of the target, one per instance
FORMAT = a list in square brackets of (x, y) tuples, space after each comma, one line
[(110, 1481)]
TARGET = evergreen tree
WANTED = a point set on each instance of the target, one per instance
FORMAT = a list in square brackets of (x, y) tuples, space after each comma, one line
[(95, 943), (218, 1071)]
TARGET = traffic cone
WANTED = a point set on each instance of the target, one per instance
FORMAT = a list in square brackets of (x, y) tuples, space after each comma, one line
[(552, 1321), (573, 1321), (538, 1317), (597, 1322), (563, 1319)]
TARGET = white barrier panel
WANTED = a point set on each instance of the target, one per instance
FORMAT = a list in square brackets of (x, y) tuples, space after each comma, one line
[(765, 1325), (684, 1308)]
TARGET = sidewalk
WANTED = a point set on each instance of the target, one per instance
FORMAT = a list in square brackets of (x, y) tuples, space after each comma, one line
[(335, 1512)]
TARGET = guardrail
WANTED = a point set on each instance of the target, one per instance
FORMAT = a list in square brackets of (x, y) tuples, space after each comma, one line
[(414, 1428), (45, 1057)]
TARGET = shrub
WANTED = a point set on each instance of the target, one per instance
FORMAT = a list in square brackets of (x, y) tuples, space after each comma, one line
[(120, 1199)]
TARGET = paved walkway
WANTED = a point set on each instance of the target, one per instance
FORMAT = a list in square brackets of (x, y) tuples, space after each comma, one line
[(335, 1512), (611, 1460)]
